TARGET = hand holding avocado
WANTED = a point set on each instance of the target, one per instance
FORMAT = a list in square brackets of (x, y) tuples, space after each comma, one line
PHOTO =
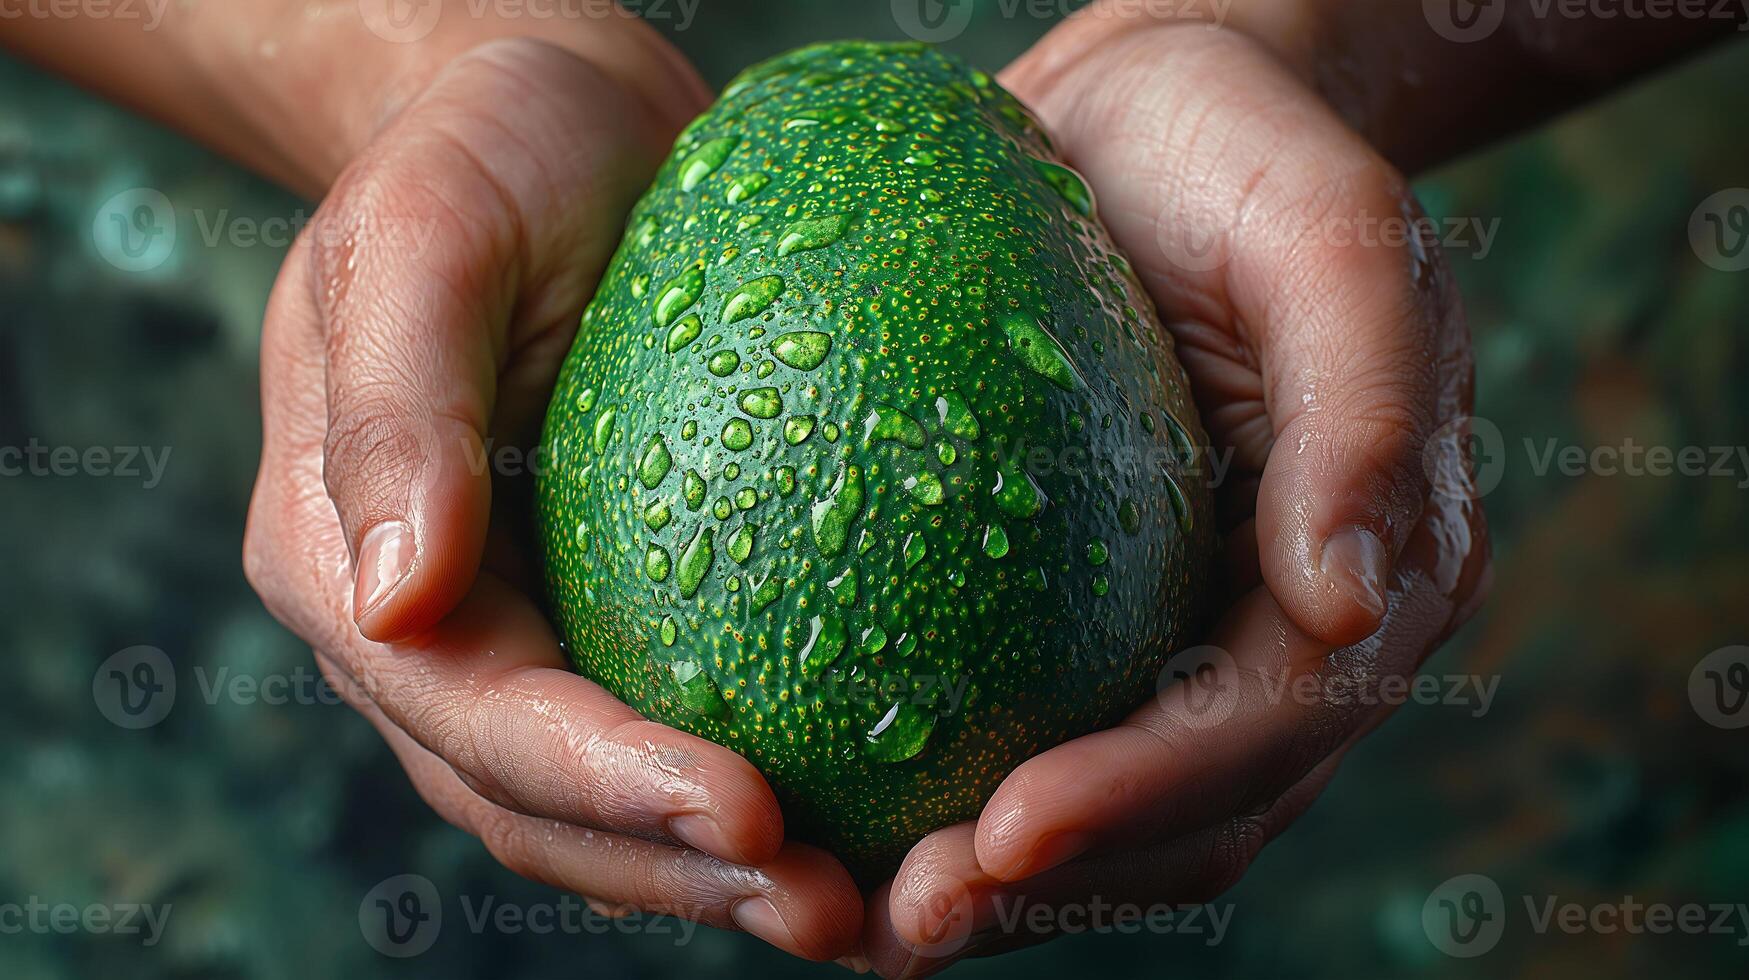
[(403, 387)]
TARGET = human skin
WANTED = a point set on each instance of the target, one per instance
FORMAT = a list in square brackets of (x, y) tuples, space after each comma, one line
[(1332, 370)]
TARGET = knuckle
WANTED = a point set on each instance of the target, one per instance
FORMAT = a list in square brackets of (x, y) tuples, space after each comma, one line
[(370, 435)]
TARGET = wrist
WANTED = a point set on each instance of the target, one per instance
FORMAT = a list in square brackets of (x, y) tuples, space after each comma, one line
[(313, 91)]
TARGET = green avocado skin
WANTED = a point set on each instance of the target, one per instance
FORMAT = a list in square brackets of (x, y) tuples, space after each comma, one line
[(871, 461)]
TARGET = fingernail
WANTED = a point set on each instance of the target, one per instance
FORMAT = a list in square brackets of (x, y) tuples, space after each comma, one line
[(384, 560), (1050, 851), (759, 917), (855, 964), (696, 830), (1355, 560)]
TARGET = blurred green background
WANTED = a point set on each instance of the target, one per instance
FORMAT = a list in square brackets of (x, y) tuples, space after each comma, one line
[(1592, 778)]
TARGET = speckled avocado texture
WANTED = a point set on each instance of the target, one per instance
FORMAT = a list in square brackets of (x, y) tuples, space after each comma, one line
[(871, 460)]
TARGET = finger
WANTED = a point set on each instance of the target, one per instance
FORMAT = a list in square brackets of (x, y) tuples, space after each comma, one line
[(487, 690), (941, 908), (426, 274), (801, 900), (1199, 137), (1274, 704)]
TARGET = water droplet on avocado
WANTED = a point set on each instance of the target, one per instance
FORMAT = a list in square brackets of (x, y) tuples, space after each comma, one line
[(1040, 351), (657, 516), (767, 591), (752, 299), (797, 429), (692, 489), (956, 416), (1180, 504), (741, 543), (653, 468), (683, 333), (803, 350), (900, 734), (698, 692), (586, 400), (668, 631), (888, 423), (833, 515), (1181, 441), (1128, 517), (746, 498), (640, 285), (704, 161), (874, 640), (1101, 585), (603, 430), (762, 403), (926, 489), (722, 509), (844, 587), (915, 548), (657, 563), (826, 638), (723, 363), (737, 435), (747, 185), (1069, 184), (811, 233), (678, 296), (1017, 495), (1097, 552), (786, 480), (995, 541), (695, 561)]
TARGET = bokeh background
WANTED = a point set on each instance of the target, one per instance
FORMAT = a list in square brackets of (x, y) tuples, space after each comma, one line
[(1598, 773)]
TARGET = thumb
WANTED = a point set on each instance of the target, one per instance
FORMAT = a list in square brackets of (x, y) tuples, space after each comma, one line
[(441, 324), (1246, 204)]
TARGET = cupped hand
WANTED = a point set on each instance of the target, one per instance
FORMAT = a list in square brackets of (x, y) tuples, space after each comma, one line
[(1330, 359), (410, 348)]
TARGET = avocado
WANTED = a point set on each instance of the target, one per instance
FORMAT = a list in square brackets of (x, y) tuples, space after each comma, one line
[(871, 460)]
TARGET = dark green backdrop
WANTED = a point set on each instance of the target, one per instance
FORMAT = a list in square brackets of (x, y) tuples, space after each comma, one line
[(1592, 778)]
